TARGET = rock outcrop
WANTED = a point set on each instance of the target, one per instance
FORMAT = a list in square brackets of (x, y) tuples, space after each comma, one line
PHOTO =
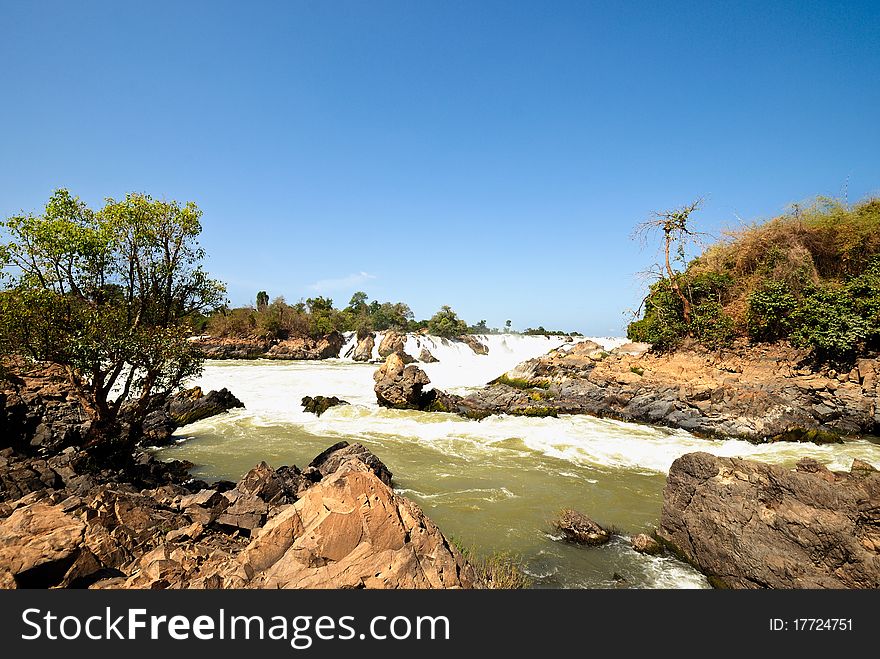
[(577, 527), (295, 348), (300, 348), (645, 544), (336, 524), (399, 386), (753, 525), (181, 409), (391, 343), (474, 344), (364, 350), (426, 357), (760, 393), (38, 409), (232, 347), (317, 405)]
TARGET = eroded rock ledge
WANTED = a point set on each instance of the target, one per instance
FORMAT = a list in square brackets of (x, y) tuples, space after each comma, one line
[(752, 525), (335, 524), (759, 393)]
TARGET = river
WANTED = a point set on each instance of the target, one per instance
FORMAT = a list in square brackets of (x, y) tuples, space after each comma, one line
[(492, 485)]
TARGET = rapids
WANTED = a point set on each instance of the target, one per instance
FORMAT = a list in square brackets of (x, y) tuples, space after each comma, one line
[(493, 485)]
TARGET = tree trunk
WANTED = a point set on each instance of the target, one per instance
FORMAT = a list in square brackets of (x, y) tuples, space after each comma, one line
[(686, 305)]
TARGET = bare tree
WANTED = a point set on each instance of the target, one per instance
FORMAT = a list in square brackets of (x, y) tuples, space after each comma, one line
[(675, 226)]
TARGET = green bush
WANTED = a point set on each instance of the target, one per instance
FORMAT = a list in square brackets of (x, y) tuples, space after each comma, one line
[(769, 312), (827, 320)]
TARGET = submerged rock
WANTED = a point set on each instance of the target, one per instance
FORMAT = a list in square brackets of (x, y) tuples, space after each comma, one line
[(752, 525), (317, 405), (577, 527)]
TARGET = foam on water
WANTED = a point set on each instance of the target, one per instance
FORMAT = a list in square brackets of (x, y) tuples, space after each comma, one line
[(495, 480)]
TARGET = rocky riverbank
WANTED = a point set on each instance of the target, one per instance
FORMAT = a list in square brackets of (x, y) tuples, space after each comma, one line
[(752, 525), (761, 393), (360, 349), (67, 522)]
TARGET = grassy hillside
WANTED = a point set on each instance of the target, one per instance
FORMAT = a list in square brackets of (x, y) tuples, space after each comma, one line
[(811, 276)]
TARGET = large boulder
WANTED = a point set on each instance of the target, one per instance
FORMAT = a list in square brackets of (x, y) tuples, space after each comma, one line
[(399, 386), (392, 342), (352, 531), (752, 525), (331, 459), (40, 543), (364, 350), (232, 347)]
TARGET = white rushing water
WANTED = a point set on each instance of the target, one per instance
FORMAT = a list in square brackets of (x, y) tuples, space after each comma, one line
[(493, 482)]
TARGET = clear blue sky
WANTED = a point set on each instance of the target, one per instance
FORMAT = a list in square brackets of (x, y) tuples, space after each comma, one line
[(493, 156)]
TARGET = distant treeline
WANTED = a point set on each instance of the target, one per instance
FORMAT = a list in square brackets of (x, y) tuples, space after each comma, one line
[(317, 317)]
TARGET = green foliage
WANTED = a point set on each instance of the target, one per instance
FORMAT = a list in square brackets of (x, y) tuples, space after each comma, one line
[(446, 323), (108, 294), (520, 383), (262, 300), (811, 277)]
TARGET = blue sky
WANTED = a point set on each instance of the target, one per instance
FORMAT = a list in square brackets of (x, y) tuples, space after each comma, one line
[(493, 156)]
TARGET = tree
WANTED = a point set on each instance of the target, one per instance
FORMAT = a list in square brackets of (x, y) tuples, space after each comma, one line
[(262, 301), (446, 323), (507, 324), (108, 295), (358, 303), (677, 234)]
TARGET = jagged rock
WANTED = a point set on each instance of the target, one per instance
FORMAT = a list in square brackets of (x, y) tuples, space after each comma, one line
[(38, 545), (752, 525), (474, 344), (645, 544), (275, 487), (579, 528), (38, 409), (352, 531), (426, 357), (245, 513), (331, 459), (392, 342), (760, 393), (364, 350), (192, 405), (399, 386), (317, 405), (158, 428)]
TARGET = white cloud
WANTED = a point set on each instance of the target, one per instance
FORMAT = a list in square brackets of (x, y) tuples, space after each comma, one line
[(341, 283)]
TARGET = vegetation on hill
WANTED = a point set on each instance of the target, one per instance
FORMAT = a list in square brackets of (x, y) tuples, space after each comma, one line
[(810, 276)]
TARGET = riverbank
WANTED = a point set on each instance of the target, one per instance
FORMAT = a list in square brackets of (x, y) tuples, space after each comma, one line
[(763, 393)]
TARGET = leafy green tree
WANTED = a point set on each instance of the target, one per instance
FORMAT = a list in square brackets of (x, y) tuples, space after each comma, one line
[(507, 324), (446, 323), (358, 303), (108, 295), (262, 301)]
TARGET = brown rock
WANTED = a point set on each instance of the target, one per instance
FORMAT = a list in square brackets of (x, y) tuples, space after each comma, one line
[(753, 525), (352, 531), (334, 457), (399, 386), (579, 528), (645, 544), (426, 357), (38, 545), (364, 350)]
